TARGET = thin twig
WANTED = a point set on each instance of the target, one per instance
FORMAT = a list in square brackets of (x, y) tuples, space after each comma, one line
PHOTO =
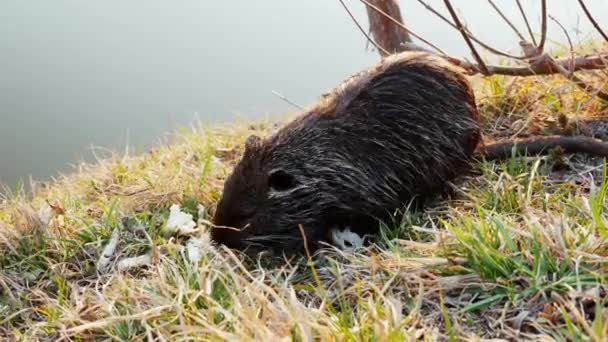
[(375, 8), (572, 52), (146, 314), (504, 17), (565, 33), (288, 101), (305, 241), (576, 314), (523, 14), (543, 26), (592, 20), (474, 38), (480, 62), (369, 39), (315, 275)]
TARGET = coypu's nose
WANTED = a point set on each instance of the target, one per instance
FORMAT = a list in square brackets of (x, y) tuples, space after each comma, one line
[(226, 227), (230, 237)]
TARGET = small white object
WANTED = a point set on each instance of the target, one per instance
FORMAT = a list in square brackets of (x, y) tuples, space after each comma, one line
[(134, 262), (103, 265), (345, 239), (215, 160), (180, 222), (201, 215), (194, 247), (45, 214)]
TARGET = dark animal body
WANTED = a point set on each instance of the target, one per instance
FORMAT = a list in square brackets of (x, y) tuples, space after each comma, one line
[(389, 136)]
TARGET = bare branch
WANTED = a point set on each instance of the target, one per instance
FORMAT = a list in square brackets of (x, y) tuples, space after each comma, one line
[(504, 17), (543, 26), (375, 8), (536, 61), (578, 81), (592, 20), (473, 38), (369, 39), (482, 65), (539, 66), (384, 31), (539, 144), (523, 14)]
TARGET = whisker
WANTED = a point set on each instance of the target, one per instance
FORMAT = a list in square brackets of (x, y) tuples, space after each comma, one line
[(229, 228), (270, 238), (254, 244)]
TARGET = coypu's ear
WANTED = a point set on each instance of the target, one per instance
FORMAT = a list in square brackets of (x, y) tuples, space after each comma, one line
[(251, 144)]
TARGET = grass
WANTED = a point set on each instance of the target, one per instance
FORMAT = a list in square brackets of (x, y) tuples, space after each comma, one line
[(519, 251)]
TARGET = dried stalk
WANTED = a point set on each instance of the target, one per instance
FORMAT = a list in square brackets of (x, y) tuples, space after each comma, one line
[(480, 62), (565, 34), (473, 38), (382, 50), (543, 26), (523, 14), (592, 20), (504, 17)]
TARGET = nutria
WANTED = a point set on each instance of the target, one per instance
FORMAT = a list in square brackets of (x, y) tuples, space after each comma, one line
[(390, 136)]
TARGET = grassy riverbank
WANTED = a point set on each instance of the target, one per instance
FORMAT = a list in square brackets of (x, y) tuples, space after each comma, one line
[(520, 250)]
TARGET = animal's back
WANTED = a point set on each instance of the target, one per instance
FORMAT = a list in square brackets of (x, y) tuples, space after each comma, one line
[(390, 134)]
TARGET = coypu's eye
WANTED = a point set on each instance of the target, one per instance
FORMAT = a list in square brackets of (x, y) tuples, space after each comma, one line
[(281, 181)]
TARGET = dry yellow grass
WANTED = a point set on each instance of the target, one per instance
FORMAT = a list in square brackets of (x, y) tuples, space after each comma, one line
[(520, 250)]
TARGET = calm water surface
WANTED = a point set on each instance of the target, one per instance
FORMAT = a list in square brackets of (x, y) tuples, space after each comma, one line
[(76, 74)]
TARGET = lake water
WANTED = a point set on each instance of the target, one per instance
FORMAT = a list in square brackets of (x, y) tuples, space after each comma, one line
[(76, 74)]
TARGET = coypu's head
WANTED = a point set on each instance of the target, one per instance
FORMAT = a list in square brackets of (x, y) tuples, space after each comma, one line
[(280, 192), (269, 194), (394, 132)]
